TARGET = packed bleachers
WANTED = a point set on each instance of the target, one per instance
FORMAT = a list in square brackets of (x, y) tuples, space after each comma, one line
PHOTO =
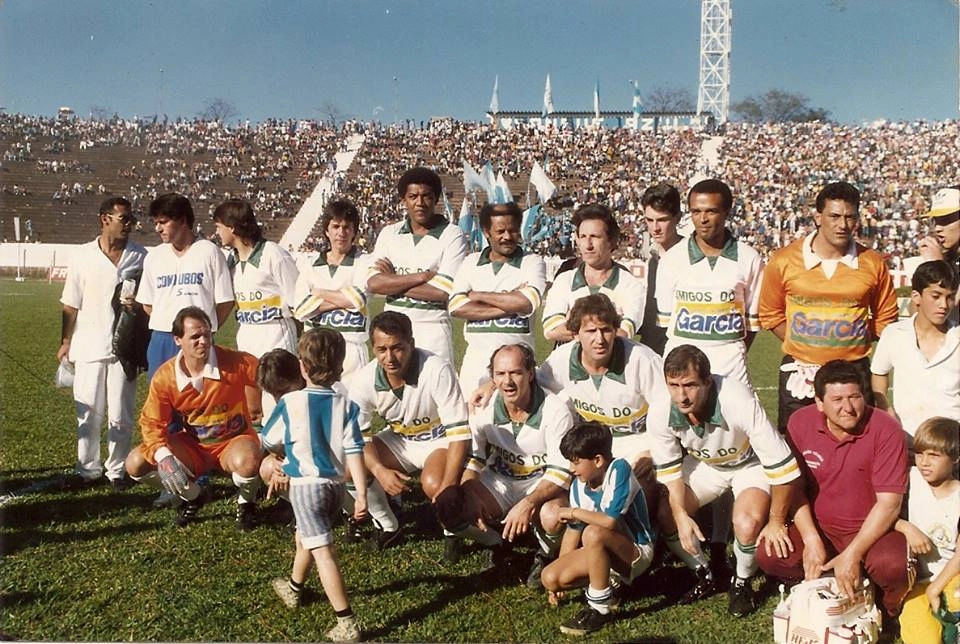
[(55, 172)]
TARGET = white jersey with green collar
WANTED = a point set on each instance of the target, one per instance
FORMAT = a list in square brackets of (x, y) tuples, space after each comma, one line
[(737, 433), (349, 277), (627, 293), (522, 450), (619, 399), (429, 406), (522, 271), (263, 284), (707, 301), (441, 250)]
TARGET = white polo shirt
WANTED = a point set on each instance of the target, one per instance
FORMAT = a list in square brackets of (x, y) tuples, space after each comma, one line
[(350, 278), (619, 399), (627, 293), (708, 301), (441, 250), (921, 388), (263, 284), (737, 433), (522, 450), (429, 405), (199, 277), (91, 282), (479, 273)]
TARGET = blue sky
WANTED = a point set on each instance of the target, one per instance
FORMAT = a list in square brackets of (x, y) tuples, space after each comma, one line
[(860, 59)]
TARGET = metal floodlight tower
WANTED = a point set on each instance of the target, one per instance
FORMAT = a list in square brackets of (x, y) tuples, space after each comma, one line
[(714, 94)]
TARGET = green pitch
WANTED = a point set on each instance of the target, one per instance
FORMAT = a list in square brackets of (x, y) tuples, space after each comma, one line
[(92, 565)]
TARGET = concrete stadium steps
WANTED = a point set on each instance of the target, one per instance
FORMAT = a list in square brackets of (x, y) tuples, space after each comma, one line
[(60, 222)]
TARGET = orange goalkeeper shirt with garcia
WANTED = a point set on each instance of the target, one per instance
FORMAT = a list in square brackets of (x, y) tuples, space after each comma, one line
[(827, 318), (213, 415)]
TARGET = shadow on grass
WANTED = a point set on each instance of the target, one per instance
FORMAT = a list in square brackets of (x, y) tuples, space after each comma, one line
[(31, 538)]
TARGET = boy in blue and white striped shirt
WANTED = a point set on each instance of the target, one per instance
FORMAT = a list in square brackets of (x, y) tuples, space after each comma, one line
[(316, 431), (609, 531)]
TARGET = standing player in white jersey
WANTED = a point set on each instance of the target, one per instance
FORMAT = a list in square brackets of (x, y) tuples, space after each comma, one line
[(496, 291), (264, 276), (332, 292), (417, 394), (708, 288), (729, 444), (597, 238), (183, 271), (415, 259), (89, 298)]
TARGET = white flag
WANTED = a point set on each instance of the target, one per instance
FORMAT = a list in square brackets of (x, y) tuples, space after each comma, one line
[(472, 180), (490, 181), (545, 188), (547, 98), (495, 100), (502, 190), (596, 100)]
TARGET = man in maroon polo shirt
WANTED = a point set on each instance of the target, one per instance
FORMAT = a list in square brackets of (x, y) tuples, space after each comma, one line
[(854, 460)]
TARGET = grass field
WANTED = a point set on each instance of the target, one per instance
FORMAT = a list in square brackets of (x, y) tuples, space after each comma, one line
[(93, 565)]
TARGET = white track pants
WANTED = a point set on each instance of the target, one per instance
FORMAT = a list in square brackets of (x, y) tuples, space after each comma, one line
[(98, 386)]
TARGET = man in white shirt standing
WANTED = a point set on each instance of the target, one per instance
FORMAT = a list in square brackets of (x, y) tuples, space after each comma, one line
[(183, 271), (96, 270), (415, 260)]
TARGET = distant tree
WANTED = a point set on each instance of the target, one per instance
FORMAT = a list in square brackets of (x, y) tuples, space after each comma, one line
[(778, 106), (100, 112), (330, 113), (669, 99), (218, 109)]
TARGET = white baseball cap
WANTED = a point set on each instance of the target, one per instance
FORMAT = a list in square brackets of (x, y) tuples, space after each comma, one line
[(945, 201)]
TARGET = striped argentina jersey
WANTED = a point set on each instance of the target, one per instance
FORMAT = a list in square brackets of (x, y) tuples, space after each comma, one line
[(429, 405), (737, 433), (317, 427), (620, 496), (441, 250), (522, 271), (709, 300), (626, 292), (619, 398), (350, 279), (522, 450), (263, 284)]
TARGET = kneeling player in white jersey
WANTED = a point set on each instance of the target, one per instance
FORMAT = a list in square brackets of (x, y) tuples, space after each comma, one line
[(263, 279), (609, 531), (332, 292), (496, 291), (608, 379), (417, 394), (730, 444), (517, 474)]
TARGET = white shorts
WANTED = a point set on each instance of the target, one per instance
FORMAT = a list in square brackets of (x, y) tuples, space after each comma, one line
[(628, 446), (708, 482), (257, 339), (638, 566), (411, 454), (475, 369), (357, 356), (506, 490), (435, 337)]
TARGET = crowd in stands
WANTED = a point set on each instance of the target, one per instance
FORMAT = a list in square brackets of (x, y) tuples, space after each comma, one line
[(774, 169)]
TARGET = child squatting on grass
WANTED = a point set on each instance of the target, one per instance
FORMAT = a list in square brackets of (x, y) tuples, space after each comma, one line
[(609, 533), (933, 512), (316, 431)]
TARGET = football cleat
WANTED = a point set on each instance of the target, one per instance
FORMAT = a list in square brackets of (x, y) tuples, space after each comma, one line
[(740, 598), (586, 621), (702, 589)]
